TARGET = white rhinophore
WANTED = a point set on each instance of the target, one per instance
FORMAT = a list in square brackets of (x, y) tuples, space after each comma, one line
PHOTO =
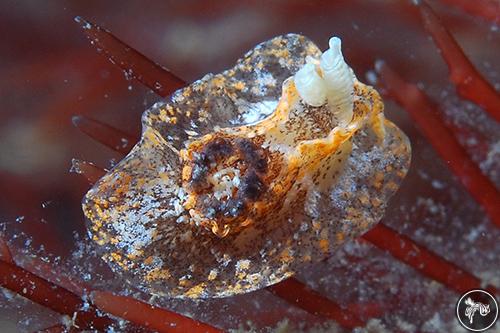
[(339, 81), (310, 85), (329, 80)]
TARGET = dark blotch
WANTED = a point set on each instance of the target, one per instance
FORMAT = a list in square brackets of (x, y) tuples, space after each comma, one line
[(252, 155), (252, 186), (211, 153), (217, 149)]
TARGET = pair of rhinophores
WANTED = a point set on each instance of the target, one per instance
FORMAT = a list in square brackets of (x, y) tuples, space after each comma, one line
[(243, 177)]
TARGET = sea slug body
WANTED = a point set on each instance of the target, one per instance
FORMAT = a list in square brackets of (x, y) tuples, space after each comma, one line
[(243, 177)]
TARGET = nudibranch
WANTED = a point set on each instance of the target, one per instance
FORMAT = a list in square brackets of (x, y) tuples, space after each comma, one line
[(243, 177)]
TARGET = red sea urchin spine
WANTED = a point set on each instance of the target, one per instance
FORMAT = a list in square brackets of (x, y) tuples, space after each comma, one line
[(52, 296), (297, 293), (134, 63), (147, 315), (487, 9), (467, 79), (46, 293), (87, 169), (426, 262), (50, 273), (111, 137), (84, 314), (5, 254), (426, 117)]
